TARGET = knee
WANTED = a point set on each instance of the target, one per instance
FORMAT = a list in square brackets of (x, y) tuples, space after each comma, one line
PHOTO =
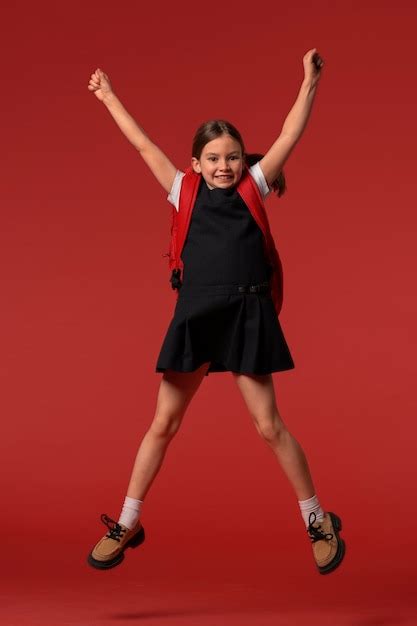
[(271, 428), (165, 425)]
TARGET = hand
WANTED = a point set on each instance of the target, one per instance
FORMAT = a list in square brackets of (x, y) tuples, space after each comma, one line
[(313, 63), (100, 84)]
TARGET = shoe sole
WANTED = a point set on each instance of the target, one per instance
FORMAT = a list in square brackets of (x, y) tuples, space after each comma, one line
[(341, 547), (134, 542)]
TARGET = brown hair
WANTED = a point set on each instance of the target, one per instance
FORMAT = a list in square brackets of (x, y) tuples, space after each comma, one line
[(215, 128)]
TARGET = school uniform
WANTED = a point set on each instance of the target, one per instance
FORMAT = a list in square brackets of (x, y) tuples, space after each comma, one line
[(216, 318)]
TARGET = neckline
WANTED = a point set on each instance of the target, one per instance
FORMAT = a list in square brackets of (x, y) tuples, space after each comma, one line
[(226, 189)]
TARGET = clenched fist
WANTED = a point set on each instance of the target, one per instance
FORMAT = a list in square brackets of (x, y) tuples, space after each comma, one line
[(313, 64), (100, 84)]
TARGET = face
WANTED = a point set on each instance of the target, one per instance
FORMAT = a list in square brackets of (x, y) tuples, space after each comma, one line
[(220, 163)]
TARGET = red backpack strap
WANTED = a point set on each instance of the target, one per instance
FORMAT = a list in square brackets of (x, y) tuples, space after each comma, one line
[(188, 195), (249, 192), (180, 222)]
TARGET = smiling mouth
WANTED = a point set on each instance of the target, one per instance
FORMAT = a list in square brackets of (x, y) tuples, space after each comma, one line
[(224, 176)]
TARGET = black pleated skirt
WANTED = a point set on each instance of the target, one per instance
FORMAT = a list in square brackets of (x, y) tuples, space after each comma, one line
[(237, 332)]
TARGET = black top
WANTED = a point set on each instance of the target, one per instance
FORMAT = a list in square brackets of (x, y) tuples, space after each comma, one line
[(224, 243)]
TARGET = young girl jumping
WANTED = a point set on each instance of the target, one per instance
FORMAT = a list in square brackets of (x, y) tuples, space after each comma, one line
[(228, 278)]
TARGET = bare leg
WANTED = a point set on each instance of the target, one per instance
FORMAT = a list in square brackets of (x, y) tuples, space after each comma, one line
[(259, 395), (175, 393)]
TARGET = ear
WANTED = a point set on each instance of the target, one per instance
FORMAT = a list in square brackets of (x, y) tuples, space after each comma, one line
[(196, 165)]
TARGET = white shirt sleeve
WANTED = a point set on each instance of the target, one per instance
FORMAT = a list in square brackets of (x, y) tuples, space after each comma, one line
[(174, 194), (255, 171)]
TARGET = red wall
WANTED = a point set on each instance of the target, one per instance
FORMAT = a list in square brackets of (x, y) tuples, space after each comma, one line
[(85, 297)]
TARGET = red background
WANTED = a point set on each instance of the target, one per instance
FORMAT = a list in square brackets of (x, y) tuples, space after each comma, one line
[(86, 302)]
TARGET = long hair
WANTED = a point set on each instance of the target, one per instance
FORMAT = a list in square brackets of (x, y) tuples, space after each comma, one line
[(212, 129)]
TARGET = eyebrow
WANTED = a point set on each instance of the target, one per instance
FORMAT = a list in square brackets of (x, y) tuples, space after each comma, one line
[(215, 153)]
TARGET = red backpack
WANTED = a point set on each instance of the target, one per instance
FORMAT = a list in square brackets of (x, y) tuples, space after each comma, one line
[(249, 192)]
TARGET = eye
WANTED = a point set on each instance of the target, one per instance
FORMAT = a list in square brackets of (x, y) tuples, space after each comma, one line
[(212, 158)]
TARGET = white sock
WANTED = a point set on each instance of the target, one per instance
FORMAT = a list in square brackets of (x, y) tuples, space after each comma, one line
[(312, 505), (130, 512)]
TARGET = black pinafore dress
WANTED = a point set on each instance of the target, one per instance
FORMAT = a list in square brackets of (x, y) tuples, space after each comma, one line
[(238, 332)]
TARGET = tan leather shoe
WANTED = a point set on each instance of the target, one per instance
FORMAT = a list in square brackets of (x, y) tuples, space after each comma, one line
[(328, 547), (109, 551)]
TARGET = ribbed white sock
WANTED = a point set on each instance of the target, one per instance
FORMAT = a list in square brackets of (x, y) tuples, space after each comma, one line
[(130, 512), (312, 505)]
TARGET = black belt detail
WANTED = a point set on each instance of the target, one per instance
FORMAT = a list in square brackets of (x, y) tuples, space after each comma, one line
[(227, 289)]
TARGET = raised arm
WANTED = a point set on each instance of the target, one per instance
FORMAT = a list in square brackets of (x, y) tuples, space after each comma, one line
[(296, 120), (161, 167)]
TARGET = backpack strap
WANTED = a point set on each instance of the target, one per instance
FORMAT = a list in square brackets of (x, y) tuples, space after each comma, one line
[(188, 194), (249, 192), (180, 222)]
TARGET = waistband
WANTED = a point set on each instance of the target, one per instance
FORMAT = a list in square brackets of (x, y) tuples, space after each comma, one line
[(227, 289)]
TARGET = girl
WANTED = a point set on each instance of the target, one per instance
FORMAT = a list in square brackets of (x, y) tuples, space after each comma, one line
[(228, 276)]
